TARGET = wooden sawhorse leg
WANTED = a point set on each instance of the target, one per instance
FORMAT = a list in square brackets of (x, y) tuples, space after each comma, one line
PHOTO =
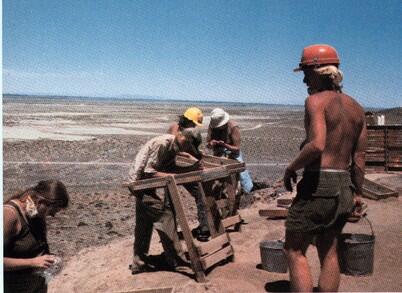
[(188, 238)]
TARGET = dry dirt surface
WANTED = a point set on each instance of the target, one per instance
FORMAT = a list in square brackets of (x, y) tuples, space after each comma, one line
[(89, 145), (105, 269)]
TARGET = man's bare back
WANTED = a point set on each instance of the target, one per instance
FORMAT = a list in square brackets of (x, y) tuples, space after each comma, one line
[(340, 119)]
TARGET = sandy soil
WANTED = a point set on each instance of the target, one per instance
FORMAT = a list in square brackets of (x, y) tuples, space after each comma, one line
[(90, 145), (105, 269)]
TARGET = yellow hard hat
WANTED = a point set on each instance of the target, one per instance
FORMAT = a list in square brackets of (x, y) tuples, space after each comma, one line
[(194, 114)]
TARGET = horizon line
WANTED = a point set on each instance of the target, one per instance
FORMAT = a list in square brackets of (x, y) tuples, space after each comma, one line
[(138, 97), (145, 98)]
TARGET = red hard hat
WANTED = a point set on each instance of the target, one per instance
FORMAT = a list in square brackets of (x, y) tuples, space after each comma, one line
[(318, 55)]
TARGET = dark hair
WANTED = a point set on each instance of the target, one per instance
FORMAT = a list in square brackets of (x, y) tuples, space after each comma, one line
[(53, 192), (185, 123)]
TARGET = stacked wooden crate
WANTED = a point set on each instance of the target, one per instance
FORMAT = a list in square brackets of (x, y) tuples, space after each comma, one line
[(384, 147)]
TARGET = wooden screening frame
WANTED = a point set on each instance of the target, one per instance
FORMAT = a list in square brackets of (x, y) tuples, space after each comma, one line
[(204, 255)]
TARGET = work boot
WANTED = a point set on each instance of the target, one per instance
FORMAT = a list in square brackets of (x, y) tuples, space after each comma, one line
[(139, 265), (257, 185), (201, 233), (178, 264)]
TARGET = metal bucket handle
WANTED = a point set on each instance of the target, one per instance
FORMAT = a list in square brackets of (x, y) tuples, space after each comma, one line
[(370, 224)]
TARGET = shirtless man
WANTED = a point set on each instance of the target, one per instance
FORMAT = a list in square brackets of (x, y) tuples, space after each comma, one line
[(333, 158)]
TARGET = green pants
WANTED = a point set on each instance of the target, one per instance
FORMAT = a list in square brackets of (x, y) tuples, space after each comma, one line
[(19, 282), (324, 200), (151, 212)]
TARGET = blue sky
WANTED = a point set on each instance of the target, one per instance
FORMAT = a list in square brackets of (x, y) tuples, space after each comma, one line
[(199, 50)]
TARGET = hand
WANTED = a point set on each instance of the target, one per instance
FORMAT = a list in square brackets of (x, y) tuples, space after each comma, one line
[(211, 143), (289, 175), (184, 154), (199, 165), (43, 261), (220, 142), (359, 206)]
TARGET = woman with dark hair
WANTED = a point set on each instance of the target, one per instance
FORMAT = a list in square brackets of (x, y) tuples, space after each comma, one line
[(26, 250)]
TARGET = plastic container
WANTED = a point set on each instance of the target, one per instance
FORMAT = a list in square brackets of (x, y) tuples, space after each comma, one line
[(53, 270)]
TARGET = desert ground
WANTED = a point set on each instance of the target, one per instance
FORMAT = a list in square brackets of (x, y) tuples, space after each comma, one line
[(89, 145)]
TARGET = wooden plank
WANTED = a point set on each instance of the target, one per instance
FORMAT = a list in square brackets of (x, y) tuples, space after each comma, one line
[(149, 180), (188, 179), (181, 218), (219, 160), (205, 175), (374, 150), (191, 174), (213, 245), (375, 157), (210, 260), (382, 127), (213, 159), (377, 191), (147, 184), (222, 203), (150, 290), (210, 165), (230, 221), (375, 154), (374, 160), (396, 165), (235, 171), (284, 201), (231, 194), (213, 174), (273, 213), (237, 165), (376, 140), (210, 219), (211, 205), (234, 179), (184, 161)]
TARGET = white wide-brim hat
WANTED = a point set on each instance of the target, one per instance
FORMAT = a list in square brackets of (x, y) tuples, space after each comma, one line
[(218, 118)]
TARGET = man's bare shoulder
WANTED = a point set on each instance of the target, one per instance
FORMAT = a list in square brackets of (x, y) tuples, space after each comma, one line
[(353, 103), (321, 99), (315, 101)]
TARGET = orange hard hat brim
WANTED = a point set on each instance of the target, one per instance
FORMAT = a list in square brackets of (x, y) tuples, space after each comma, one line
[(298, 69)]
